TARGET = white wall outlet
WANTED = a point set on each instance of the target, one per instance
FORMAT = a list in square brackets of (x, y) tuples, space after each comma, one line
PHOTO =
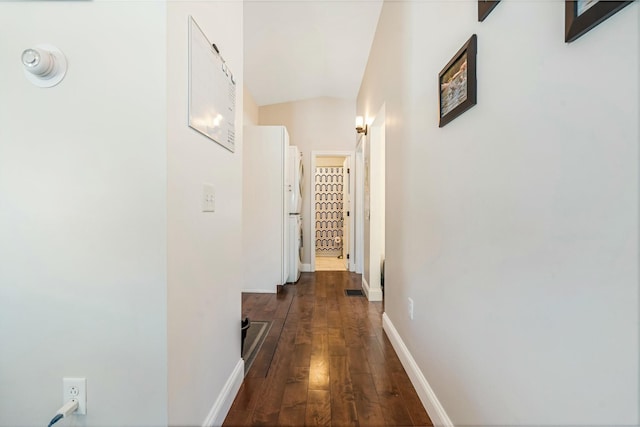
[(75, 388), (410, 308), (208, 198)]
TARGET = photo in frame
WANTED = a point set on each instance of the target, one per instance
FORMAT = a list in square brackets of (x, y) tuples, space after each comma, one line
[(485, 7), (582, 15), (457, 82)]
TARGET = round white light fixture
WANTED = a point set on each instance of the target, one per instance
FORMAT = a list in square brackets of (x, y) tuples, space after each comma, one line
[(44, 65)]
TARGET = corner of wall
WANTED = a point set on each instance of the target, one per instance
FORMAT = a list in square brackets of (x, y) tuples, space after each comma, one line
[(251, 116), (223, 403), (372, 294), (427, 396)]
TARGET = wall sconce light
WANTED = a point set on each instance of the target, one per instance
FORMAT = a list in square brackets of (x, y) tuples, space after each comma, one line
[(361, 126), (44, 65)]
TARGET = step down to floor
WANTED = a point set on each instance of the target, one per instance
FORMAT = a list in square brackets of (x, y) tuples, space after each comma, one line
[(353, 292)]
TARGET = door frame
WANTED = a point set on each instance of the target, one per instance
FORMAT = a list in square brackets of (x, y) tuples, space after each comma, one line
[(359, 205), (312, 207)]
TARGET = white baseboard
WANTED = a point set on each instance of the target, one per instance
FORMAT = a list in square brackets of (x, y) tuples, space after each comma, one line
[(428, 398), (372, 294), (223, 403), (259, 291), (305, 268)]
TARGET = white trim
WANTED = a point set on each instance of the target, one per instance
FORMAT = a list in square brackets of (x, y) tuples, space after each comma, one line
[(312, 206), (223, 403), (358, 207), (305, 268), (259, 291), (426, 394), (372, 294)]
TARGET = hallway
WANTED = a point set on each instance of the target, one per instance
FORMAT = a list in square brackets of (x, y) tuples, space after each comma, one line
[(326, 361), (326, 263)]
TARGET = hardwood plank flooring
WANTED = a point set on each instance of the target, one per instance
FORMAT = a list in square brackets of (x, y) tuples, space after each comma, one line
[(327, 263), (325, 362)]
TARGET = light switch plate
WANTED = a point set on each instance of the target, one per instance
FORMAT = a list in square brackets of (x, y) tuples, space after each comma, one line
[(208, 198)]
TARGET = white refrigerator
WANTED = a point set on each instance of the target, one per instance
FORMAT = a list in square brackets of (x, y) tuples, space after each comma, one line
[(265, 210)]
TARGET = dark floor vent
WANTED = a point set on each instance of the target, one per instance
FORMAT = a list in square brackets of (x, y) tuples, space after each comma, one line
[(353, 292)]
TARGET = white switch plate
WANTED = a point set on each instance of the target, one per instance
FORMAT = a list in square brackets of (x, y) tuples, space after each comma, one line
[(75, 388), (208, 198), (410, 308)]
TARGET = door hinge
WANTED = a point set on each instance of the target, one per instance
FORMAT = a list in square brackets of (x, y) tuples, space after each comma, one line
[(348, 170), (347, 256), (347, 213)]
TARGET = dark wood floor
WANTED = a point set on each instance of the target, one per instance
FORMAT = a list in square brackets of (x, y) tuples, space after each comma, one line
[(326, 361)]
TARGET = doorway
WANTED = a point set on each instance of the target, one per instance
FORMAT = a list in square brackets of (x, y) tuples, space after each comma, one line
[(331, 225)]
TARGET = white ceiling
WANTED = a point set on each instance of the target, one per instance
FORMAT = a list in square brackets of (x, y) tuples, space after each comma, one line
[(301, 49)]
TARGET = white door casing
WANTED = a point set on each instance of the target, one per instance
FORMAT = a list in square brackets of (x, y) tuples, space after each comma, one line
[(349, 155), (346, 215)]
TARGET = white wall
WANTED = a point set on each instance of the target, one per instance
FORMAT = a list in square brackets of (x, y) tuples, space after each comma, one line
[(109, 269), (251, 109), (205, 275), (515, 227), (320, 124), (329, 162), (374, 218), (83, 214)]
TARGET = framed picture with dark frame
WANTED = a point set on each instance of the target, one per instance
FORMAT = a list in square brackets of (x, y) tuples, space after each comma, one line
[(485, 7), (457, 83), (582, 15)]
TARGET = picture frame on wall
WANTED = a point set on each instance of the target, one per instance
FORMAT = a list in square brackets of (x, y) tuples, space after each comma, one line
[(457, 84), (485, 7), (582, 15)]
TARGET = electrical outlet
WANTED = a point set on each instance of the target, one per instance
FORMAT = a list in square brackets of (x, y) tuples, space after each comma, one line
[(410, 308), (75, 388), (208, 198)]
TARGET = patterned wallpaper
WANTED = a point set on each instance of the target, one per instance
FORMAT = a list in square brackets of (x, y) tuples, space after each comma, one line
[(329, 212)]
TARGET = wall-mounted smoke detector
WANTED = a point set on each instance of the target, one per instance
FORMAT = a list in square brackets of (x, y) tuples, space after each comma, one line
[(44, 65)]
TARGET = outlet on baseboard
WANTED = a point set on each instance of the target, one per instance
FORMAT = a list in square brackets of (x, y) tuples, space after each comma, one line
[(410, 308), (75, 388)]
